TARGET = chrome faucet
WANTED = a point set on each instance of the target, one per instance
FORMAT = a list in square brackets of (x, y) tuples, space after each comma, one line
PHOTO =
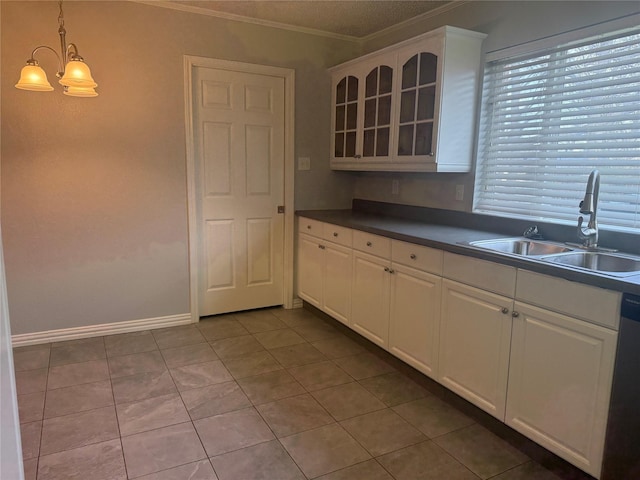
[(589, 206)]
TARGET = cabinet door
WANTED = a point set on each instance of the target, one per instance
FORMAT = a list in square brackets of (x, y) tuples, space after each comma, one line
[(418, 92), (370, 297), (415, 318), (337, 282), (310, 261), (345, 115), (475, 336), (377, 113), (559, 382)]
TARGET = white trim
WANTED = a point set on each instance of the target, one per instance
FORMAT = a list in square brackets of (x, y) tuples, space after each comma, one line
[(241, 18), (288, 75), (417, 20), (578, 34), (297, 303), (73, 333)]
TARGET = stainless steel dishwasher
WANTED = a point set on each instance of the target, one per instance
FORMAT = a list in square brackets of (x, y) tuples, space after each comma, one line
[(622, 443)]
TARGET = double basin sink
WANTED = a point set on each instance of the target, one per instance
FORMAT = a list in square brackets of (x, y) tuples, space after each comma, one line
[(595, 261)]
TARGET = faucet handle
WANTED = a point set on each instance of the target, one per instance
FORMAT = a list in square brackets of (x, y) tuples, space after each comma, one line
[(533, 233)]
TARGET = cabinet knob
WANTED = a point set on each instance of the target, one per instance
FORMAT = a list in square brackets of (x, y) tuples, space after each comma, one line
[(515, 314), (412, 256), (322, 247), (392, 271), (335, 234), (308, 227), (386, 269), (505, 310), (369, 244), (431, 154), (357, 156)]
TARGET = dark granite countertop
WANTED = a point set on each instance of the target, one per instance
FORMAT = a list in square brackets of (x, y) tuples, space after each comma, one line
[(449, 238)]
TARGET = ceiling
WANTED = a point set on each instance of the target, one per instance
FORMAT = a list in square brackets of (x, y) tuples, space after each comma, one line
[(355, 19)]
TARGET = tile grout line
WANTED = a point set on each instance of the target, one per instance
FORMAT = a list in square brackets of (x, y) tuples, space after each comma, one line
[(115, 407)]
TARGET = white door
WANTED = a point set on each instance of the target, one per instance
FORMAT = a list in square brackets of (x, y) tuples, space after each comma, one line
[(559, 384), (238, 128), (415, 318), (310, 262), (475, 337), (370, 297), (336, 292)]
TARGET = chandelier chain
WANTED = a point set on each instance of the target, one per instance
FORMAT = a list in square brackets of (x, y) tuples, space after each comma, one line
[(60, 15)]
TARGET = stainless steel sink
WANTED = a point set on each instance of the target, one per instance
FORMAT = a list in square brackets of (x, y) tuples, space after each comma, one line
[(607, 263), (522, 246)]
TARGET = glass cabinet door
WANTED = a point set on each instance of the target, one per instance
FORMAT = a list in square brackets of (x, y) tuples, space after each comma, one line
[(417, 105), (377, 112), (346, 117)]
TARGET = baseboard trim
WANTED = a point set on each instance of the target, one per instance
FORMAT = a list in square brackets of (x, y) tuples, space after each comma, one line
[(62, 334), (297, 303)]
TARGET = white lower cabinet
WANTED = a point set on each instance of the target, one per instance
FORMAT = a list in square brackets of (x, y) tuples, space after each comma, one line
[(415, 318), (542, 363), (310, 265), (324, 276), (370, 297), (336, 300), (560, 377), (475, 336)]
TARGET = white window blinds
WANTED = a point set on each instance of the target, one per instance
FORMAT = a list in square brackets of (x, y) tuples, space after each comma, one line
[(549, 118)]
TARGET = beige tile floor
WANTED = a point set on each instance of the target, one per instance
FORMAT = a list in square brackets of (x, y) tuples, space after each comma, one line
[(269, 394)]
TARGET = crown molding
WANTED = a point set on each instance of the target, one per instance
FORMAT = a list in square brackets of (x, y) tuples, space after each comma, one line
[(244, 19), (413, 21)]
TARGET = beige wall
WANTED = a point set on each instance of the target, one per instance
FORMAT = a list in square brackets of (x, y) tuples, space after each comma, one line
[(507, 23), (94, 190)]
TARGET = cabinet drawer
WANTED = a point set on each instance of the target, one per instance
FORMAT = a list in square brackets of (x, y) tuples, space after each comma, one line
[(373, 244), (337, 234), (417, 256), (593, 304), (311, 227), (480, 273)]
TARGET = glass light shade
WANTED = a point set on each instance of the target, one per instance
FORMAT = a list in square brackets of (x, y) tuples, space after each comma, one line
[(80, 92), (77, 74), (33, 78)]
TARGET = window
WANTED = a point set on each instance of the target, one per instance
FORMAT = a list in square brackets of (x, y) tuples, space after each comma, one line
[(549, 118)]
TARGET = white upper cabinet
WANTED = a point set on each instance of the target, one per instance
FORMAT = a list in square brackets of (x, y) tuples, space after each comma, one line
[(408, 107)]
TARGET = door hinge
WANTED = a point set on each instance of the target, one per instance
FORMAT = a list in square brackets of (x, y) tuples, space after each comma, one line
[(280, 208)]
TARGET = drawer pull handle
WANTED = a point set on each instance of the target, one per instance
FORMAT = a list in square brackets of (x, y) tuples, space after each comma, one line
[(505, 310), (386, 269), (369, 244), (412, 256), (322, 247), (515, 314), (392, 271), (335, 234)]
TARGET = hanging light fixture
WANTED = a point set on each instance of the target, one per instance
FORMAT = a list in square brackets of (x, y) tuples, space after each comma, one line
[(73, 72)]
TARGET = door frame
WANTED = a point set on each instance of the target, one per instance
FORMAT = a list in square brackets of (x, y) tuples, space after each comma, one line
[(191, 62)]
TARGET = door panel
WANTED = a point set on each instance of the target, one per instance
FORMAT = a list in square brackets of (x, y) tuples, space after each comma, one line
[(239, 152)]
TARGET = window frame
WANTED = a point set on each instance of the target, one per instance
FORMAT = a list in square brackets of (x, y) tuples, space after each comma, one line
[(567, 40)]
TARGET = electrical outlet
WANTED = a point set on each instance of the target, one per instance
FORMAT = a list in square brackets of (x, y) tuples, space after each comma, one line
[(395, 187), (304, 163), (459, 193)]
